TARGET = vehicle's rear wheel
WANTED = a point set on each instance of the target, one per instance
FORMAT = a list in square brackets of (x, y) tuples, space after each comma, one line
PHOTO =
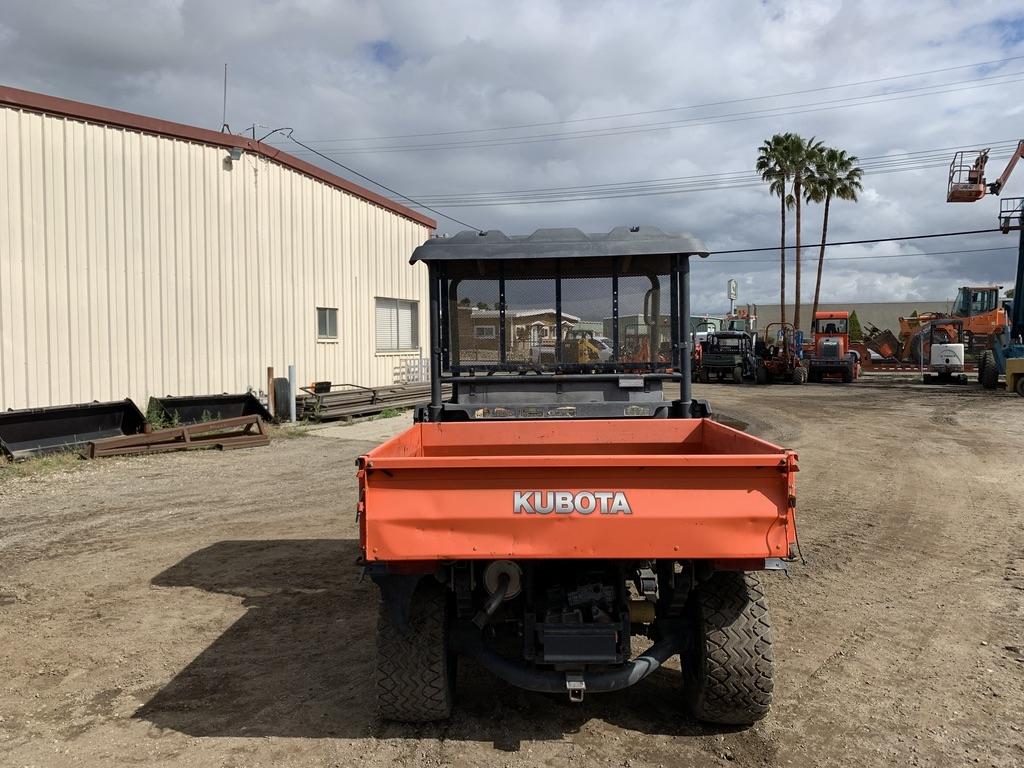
[(416, 668), (1019, 389), (737, 374), (799, 375), (705, 377), (982, 361), (728, 673), (990, 371)]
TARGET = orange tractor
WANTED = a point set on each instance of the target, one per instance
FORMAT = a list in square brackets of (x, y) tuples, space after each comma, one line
[(550, 511)]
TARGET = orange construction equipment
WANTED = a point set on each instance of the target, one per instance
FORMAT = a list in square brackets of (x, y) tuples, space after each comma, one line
[(833, 356), (979, 308), (967, 182), (552, 508)]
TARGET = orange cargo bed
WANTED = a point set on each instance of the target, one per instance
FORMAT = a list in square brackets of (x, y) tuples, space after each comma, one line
[(615, 489)]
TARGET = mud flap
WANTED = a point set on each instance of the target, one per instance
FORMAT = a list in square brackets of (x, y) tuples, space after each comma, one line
[(396, 590)]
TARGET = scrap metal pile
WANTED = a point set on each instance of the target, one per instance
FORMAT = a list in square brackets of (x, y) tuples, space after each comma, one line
[(345, 401), (236, 432), (120, 428)]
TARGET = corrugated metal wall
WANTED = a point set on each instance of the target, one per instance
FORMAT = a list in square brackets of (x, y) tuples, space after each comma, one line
[(134, 265)]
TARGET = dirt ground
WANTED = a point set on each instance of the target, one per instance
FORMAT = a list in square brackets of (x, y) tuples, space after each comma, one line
[(205, 609)]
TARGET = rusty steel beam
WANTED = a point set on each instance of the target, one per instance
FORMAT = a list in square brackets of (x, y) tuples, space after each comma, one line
[(225, 434)]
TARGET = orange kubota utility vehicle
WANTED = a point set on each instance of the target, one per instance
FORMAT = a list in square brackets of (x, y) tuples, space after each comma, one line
[(555, 507)]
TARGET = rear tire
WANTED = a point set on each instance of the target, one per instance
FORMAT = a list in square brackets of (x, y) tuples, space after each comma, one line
[(990, 371), (1019, 389), (737, 374), (728, 674), (415, 668), (799, 375), (705, 377), (982, 362)]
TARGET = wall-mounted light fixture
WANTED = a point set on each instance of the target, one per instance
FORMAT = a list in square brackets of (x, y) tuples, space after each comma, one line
[(234, 154)]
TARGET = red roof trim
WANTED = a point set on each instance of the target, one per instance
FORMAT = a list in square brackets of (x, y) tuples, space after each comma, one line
[(39, 102)]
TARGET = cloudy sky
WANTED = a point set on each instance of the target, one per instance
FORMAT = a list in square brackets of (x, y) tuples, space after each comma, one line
[(591, 114)]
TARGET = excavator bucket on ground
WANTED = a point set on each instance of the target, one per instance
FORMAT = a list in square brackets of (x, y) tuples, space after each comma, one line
[(35, 431), (967, 177)]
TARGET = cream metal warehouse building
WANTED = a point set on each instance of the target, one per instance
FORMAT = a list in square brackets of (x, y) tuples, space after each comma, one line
[(138, 259)]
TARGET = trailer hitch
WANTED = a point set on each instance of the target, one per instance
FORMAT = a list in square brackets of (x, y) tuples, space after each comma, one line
[(576, 684), (468, 641)]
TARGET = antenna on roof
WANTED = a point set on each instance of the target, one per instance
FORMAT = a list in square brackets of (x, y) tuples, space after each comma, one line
[(224, 128)]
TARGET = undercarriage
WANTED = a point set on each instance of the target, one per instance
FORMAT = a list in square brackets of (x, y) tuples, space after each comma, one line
[(568, 627)]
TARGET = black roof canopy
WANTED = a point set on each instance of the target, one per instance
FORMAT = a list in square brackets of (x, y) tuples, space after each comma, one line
[(564, 243)]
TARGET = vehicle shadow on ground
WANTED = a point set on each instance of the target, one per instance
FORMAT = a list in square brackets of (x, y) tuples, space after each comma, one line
[(299, 663)]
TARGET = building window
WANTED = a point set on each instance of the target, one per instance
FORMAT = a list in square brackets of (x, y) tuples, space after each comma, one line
[(326, 323), (485, 331), (397, 325)]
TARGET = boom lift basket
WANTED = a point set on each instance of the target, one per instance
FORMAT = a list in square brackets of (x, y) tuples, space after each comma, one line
[(967, 179)]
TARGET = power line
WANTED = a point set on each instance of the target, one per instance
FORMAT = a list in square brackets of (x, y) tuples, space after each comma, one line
[(872, 256), (874, 164), (670, 109), (288, 133), (862, 160), (658, 187), (773, 112), (863, 242)]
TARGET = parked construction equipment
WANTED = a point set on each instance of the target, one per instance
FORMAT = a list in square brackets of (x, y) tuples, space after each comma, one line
[(967, 183), (779, 356), (37, 431), (942, 344), (729, 354), (833, 357), (225, 434), (979, 308), (543, 515)]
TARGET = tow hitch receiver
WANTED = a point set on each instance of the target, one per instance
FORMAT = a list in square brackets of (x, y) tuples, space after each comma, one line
[(576, 686)]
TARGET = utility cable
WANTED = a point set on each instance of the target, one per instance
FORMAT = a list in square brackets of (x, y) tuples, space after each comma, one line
[(870, 257), (731, 117), (672, 109), (862, 242), (288, 133), (900, 161)]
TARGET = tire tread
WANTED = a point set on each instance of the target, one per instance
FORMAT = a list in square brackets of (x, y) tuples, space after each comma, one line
[(415, 672), (729, 680)]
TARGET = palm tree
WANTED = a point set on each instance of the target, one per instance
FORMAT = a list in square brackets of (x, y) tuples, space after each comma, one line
[(773, 163), (802, 157), (834, 174)]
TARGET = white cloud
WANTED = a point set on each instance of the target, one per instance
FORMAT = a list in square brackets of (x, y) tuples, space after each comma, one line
[(458, 65)]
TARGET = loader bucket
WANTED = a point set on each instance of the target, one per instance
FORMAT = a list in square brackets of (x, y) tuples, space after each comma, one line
[(195, 409), (35, 431)]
